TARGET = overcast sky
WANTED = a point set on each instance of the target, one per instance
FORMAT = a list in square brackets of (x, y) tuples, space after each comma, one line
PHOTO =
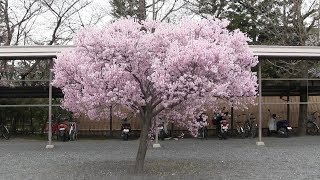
[(44, 23)]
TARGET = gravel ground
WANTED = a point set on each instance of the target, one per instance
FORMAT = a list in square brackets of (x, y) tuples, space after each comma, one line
[(281, 158)]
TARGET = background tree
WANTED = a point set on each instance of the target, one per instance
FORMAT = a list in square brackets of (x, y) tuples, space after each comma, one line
[(16, 22), (203, 8), (124, 8), (161, 10)]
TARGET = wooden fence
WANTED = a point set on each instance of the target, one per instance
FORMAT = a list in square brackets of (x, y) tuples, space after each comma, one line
[(279, 109)]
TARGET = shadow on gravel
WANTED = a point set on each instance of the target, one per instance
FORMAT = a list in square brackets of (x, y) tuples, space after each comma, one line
[(154, 169)]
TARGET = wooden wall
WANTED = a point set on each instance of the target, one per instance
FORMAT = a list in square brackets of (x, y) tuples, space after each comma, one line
[(104, 124)]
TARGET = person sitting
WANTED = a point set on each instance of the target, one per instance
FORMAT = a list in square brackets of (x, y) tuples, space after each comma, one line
[(272, 124)]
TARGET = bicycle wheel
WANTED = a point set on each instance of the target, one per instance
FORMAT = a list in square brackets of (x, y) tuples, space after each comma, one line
[(254, 129), (241, 133), (283, 132), (312, 129), (247, 129), (161, 135), (72, 136), (205, 133), (5, 132)]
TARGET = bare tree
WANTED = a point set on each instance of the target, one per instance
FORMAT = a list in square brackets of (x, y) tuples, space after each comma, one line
[(162, 9), (21, 23), (15, 21), (62, 11)]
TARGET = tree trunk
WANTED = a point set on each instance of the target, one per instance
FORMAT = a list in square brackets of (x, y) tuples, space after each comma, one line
[(138, 169), (7, 22), (142, 10)]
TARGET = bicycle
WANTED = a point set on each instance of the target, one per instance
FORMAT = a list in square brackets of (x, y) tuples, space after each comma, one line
[(239, 131), (203, 130), (4, 130), (312, 127), (203, 133), (250, 126)]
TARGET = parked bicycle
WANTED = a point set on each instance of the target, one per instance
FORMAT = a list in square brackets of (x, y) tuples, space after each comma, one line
[(239, 130), (250, 126), (202, 123), (4, 130), (312, 127)]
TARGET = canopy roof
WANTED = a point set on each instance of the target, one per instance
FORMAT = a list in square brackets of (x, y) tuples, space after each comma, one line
[(263, 52), (277, 52)]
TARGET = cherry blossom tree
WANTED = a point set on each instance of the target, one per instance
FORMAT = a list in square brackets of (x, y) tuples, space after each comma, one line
[(156, 68)]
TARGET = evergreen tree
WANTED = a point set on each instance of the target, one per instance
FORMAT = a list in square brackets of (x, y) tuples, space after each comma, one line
[(124, 8)]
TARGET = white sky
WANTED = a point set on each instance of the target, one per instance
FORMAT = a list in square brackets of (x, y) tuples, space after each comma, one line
[(43, 27)]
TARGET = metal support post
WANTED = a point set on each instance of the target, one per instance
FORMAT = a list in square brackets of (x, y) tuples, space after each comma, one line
[(156, 144), (50, 106), (260, 143), (110, 118)]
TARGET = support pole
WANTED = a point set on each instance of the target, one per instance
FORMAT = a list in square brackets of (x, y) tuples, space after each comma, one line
[(232, 119), (156, 144), (288, 108), (260, 143), (50, 107), (110, 118), (172, 129)]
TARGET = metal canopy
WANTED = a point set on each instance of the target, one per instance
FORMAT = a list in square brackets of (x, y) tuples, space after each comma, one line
[(44, 52), (31, 52), (286, 52), (29, 92)]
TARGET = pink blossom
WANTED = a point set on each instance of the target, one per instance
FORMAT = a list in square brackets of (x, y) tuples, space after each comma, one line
[(174, 71)]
